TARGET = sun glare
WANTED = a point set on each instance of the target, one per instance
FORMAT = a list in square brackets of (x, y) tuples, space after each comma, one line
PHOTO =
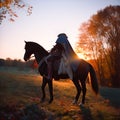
[(81, 56)]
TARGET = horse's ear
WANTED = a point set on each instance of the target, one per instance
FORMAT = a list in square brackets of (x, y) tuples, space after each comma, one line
[(25, 41)]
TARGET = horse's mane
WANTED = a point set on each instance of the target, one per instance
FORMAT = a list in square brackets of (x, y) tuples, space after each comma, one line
[(38, 47)]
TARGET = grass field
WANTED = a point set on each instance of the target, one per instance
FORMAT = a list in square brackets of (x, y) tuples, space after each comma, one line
[(20, 93)]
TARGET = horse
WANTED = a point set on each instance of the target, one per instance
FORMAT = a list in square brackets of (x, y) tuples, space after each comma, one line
[(79, 76)]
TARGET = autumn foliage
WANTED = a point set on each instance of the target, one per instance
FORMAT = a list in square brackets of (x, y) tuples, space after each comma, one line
[(8, 9), (100, 39)]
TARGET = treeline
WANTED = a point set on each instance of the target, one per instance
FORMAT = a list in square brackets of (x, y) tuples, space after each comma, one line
[(18, 63), (100, 40)]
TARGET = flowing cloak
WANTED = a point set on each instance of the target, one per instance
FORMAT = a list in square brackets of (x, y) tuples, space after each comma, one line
[(71, 56)]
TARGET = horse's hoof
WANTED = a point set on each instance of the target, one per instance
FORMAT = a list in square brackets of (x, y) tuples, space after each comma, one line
[(50, 101), (81, 105), (74, 102)]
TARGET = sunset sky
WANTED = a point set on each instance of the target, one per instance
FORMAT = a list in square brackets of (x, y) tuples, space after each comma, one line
[(48, 19)]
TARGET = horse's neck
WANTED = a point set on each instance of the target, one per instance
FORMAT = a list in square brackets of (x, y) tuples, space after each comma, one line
[(39, 56), (39, 52)]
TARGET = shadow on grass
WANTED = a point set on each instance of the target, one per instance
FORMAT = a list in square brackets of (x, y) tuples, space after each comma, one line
[(86, 112), (28, 112), (112, 95)]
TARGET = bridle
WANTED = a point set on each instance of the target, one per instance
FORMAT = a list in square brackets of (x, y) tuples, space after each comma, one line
[(32, 56)]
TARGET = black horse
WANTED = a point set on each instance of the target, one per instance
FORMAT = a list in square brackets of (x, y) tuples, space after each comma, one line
[(79, 77)]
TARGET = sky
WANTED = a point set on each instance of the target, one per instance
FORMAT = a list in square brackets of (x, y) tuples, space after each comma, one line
[(48, 19)]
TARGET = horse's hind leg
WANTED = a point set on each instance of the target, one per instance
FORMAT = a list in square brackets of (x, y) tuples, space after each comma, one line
[(83, 84), (78, 87), (44, 82)]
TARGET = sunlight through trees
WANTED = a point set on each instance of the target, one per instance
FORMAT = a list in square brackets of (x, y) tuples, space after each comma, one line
[(101, 38)]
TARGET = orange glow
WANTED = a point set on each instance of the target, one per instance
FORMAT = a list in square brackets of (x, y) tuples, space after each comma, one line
[(80, 55)]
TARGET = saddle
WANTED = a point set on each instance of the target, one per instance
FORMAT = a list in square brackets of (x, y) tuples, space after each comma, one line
[(60, 64), (61, 68), (42, 68)]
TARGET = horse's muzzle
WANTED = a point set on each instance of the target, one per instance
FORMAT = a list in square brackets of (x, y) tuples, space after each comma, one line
[(25, 58)]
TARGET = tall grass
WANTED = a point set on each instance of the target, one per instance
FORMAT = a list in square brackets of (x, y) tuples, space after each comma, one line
[(24, 88)]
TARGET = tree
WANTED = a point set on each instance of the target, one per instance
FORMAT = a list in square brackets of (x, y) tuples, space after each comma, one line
[(102, 33), (8, 7)]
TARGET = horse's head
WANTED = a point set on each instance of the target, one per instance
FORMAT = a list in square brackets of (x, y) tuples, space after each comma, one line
[(28, 50), (36, 49)]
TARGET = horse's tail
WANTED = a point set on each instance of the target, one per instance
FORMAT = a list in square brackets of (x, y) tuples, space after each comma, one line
[(94, 81)]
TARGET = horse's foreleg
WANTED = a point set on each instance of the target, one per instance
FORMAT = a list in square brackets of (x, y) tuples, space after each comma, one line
[(50, 90), (78, 88), (44, 82)]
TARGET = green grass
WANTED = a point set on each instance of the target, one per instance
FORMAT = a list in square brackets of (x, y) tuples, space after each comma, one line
[(24, 88)]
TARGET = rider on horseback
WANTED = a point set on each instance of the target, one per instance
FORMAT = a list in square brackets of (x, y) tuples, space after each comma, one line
[(62, 50)]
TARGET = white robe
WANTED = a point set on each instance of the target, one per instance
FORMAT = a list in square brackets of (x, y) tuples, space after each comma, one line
[(69, 59)]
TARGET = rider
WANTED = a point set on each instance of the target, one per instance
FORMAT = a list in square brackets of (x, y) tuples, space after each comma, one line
[(62, 49)]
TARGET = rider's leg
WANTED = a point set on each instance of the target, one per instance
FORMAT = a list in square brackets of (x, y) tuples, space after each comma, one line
[(50, 60)]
